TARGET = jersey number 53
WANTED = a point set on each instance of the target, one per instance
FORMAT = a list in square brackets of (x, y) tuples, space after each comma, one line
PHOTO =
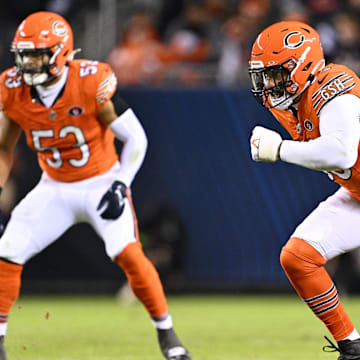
[(56, 160)]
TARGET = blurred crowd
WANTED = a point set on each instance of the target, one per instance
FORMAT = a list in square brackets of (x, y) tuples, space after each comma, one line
[(208, 41), (202, 42)]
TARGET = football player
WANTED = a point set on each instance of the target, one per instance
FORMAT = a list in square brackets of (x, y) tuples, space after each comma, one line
[(71, 114), (319, 106)]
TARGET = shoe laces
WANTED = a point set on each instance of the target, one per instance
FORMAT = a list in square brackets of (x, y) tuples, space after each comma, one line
[(332, 347)]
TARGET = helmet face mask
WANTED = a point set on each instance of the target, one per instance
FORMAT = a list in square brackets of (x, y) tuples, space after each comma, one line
[(285, 59), (34, 65), (272, 86), (269, 85), (42, 45)]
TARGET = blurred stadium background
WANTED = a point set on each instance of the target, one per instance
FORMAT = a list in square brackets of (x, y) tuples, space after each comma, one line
[(211, 220)]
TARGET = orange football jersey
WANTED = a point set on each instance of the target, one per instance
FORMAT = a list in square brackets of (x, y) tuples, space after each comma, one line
[(332, 81), (70, 142)]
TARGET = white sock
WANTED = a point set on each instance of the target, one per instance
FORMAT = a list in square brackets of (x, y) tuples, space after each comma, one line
[(3, 327), (353, 336), (163, 324)]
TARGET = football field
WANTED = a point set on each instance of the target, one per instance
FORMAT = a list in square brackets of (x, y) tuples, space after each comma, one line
[(212, 327)]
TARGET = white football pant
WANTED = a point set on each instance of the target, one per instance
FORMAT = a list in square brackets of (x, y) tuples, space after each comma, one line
[(333, 227), (52, 207)]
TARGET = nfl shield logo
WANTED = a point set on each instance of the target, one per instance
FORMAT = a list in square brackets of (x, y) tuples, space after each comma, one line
[(52, 115)]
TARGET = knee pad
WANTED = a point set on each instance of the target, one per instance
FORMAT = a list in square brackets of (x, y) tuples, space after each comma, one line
[(297, 256)]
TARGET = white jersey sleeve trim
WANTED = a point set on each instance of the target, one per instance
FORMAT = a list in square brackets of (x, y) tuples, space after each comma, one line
[(337, 146), (129, 131)]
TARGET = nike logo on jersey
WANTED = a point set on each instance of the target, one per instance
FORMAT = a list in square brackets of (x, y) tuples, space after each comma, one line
[(322, 80)]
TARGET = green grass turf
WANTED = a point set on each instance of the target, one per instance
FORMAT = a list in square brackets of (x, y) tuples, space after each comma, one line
[(212, 327)]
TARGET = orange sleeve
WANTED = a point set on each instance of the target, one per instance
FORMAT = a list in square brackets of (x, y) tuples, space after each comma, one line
[(106, 85), (332, 81), (10, 82), (3, 91), (1, 95)]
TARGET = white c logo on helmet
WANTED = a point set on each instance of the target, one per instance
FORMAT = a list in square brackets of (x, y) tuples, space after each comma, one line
[(59, 28), (294, 45)]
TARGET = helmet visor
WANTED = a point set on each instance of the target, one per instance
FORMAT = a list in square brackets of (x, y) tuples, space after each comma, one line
[(276, 79), (32, 61), (269, 82), (257, 79)]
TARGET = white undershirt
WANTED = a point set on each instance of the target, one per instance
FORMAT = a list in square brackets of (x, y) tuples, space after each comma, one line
[(49, 93), (337, 146)]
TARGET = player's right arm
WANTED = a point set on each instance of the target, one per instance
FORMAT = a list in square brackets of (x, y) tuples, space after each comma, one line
[(9, 136)]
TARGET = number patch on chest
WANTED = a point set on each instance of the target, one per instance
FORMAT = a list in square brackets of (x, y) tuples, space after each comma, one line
[(56, 161)]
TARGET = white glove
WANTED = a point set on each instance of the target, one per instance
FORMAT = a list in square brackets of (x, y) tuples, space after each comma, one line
[(265, 144)]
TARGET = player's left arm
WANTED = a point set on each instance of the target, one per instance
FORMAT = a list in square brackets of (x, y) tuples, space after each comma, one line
[(123, 122), (337, 146), (126, 126)]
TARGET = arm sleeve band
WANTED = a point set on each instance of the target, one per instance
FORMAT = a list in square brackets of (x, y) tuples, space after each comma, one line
[(119, 104), (337, 146)]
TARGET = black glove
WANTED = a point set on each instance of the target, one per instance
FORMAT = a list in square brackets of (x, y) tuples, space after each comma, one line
[(113, 202)]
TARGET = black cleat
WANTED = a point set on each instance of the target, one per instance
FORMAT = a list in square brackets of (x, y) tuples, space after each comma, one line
[(348, 349), (2, 349), (171, 346)]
